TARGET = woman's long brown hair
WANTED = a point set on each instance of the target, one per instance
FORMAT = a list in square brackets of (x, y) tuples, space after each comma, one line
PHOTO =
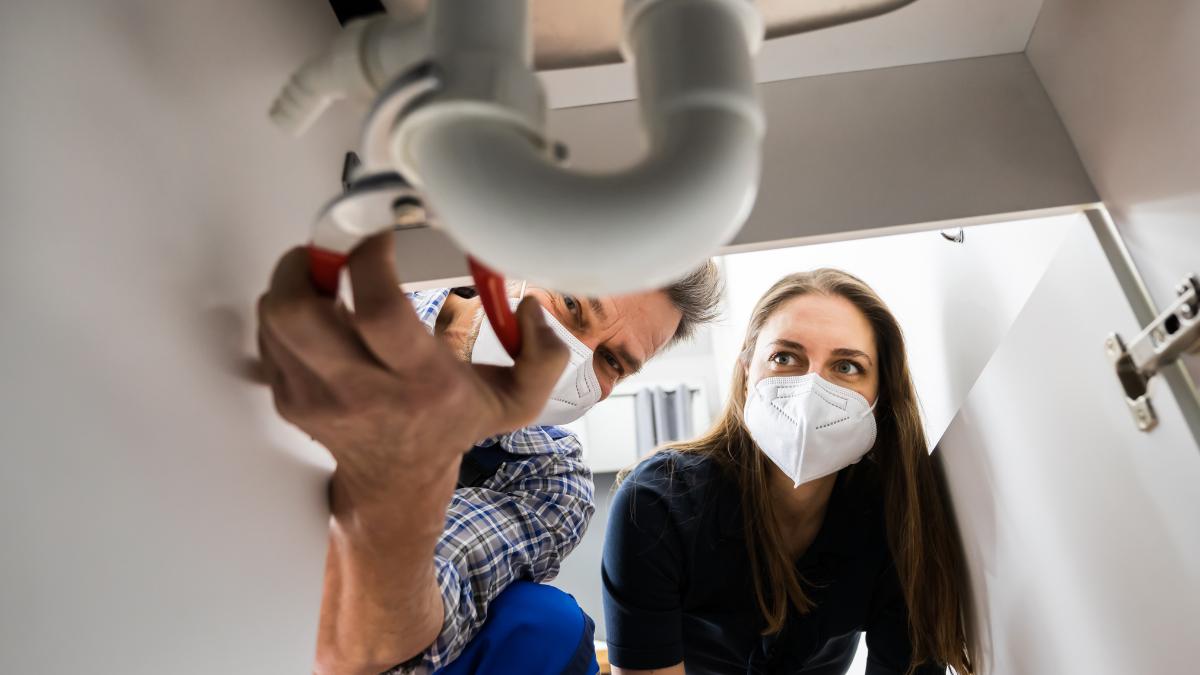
[(921, 534)]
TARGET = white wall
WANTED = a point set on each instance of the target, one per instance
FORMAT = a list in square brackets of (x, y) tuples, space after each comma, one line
[(1080, 531), (157, 515)]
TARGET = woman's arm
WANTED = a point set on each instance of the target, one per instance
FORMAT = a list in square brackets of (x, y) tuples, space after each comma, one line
[(642, 572), (889, 649)]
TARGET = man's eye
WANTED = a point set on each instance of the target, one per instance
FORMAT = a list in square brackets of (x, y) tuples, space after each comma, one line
[(612, 361), (571, 304)]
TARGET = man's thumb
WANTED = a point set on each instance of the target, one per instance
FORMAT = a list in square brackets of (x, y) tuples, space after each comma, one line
[(541, 361)]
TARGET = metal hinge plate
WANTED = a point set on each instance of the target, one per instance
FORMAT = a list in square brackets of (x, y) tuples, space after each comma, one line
[(1173, 332)]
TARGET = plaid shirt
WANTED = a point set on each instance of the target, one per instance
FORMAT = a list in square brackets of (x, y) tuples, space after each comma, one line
[(519, 525)]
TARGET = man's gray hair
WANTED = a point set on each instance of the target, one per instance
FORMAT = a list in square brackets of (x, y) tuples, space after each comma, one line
[(698, 297)]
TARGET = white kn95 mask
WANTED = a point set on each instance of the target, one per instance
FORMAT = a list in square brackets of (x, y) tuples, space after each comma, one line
[(809, 426)]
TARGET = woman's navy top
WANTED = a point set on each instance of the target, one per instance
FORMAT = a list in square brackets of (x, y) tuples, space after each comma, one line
[(678, 585)]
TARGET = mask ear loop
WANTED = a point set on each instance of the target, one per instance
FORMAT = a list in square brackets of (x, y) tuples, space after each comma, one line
[(871, 410)]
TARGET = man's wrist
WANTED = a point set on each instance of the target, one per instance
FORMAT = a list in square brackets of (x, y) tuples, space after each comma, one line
[(408, 501), (364, 483)]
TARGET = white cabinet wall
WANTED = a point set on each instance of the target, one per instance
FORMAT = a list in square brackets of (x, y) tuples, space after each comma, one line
[(1080, 531), (157, 515)]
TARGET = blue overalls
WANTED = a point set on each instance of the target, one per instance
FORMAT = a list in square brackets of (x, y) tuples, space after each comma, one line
[(532, 628)]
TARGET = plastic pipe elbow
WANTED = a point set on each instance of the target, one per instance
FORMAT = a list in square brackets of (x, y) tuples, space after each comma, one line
[(500, 195), (596, 234), (360, 61)]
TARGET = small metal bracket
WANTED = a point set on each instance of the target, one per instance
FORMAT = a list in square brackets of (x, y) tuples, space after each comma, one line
[(1173, 332), (957, 237)]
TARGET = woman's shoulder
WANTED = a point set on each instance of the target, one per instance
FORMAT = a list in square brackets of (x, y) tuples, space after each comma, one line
[(671, 471), (674, 490), (681, 483)]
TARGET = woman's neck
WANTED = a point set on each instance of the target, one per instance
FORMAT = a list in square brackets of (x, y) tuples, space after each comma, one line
[(800, 510)]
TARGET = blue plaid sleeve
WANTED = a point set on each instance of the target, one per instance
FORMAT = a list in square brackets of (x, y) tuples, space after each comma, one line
[(519, 526), (427, 304)]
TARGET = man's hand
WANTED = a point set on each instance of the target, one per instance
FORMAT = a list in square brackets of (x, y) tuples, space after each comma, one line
[(397, 410), (375, 388)]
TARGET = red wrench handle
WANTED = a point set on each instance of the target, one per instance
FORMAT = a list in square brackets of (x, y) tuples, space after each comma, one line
[(494, 296), (325, 266)]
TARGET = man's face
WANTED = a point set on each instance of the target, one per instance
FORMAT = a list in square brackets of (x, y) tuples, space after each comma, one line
[(623, 332)]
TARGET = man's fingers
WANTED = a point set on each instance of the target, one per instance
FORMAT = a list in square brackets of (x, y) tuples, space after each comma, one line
[(307, 332), (273, 374), (291, 280), (540, 363), (296, 315), (383, 316), (261, 370)]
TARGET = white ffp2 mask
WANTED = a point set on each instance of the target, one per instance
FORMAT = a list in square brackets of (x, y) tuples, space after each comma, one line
[(577, 389), (808, 426)]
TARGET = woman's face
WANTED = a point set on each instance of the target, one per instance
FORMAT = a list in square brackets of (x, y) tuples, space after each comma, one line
[(817, 333)]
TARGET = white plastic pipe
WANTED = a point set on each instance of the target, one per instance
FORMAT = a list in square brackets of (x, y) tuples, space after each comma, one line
[(499, 194), (364, 57)]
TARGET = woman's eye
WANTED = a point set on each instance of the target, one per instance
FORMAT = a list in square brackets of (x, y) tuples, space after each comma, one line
[(848, 368), (782, 359)]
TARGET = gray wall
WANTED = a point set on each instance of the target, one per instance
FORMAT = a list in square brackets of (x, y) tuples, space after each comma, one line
[(859, 154)]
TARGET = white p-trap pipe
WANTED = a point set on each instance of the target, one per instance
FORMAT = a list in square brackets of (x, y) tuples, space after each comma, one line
[(496, 189)]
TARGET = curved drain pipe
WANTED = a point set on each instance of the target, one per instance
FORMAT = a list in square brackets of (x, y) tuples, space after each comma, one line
[(477, 152), (499, 193)]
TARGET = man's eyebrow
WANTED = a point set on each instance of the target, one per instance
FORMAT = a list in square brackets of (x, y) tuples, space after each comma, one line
[(598, 308), (632, 364), (843, 351)]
